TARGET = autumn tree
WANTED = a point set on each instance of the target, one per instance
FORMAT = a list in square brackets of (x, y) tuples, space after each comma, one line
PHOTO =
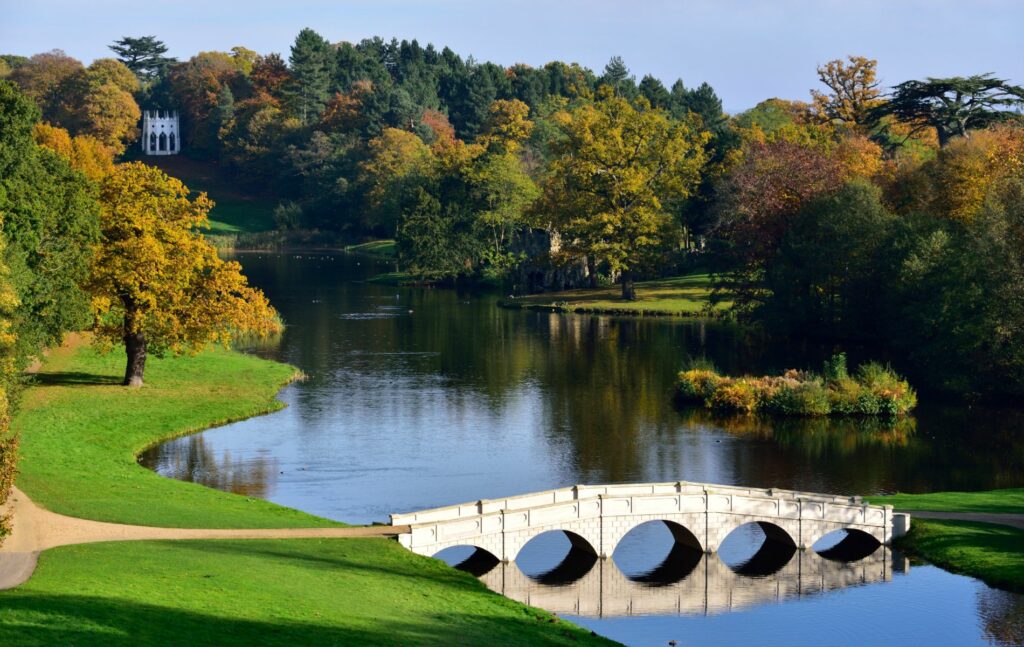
[(144, 55), (9, 372), (157, 284), (396, 158), (853, 92), (954, 106), (44, 79), (617, 170), (270, 76), (84, 153)]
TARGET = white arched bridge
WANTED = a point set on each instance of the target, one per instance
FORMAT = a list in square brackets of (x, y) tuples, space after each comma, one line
[(597, 517)]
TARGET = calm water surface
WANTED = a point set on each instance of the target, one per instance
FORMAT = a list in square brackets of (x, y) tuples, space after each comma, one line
[(419, 398)]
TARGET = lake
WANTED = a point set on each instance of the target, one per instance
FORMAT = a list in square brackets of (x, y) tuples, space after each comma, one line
[(419, 397)]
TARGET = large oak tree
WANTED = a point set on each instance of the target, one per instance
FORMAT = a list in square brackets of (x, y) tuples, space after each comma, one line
[(157, 284), (619, 167)]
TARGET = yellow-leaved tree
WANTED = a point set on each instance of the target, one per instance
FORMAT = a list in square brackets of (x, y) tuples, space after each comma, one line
[(157, 285), (9, 371), (619, 170)]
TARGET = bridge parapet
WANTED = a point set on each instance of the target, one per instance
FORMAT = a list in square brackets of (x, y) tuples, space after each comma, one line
[(599, 516)]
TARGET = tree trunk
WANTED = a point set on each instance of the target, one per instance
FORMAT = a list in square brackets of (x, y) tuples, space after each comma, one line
[(591, 271), (628, 289), (134, 347)]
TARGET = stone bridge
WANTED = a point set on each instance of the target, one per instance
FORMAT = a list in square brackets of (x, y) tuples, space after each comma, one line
[(711, 587), (597, 517)]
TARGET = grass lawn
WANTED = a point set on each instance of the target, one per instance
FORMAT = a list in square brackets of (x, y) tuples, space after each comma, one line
[(687, 296), (261, 592), (81, 432), (1009, 501), (382, 248), (990, 552), (235, 212), (80, 435)]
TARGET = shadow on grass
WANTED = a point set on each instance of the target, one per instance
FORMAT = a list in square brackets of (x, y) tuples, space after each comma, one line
[(406, 568), (73, 378), (989, 552), (36, 619)]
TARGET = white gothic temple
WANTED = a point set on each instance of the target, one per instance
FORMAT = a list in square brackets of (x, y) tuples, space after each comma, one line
[(160, 133)]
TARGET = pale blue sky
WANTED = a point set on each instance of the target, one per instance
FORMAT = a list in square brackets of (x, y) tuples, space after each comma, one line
[(748, 50)]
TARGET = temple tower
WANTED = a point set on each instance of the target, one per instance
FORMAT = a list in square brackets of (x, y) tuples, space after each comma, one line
[(160, 132)]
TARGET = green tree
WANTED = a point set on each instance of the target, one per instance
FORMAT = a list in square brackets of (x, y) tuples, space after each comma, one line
[(617, 77), (143, 55), (618, 170), (654, 91), (954, 106), (312, 68), (223, 115), (832, 266), (50, 220)]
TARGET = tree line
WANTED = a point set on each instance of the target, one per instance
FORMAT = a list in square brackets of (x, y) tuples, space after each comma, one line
[(856, 214)]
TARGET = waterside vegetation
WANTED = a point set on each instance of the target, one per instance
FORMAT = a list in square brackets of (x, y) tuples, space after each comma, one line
[(873, 390)]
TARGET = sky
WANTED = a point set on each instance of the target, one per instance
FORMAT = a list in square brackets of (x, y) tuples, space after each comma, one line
[(748, 50)]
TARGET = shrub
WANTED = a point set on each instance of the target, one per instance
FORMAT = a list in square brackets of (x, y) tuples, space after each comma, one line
[(804, 399), (697, 385), (734, 395), (834, 369), (874, 390), (893, 394)]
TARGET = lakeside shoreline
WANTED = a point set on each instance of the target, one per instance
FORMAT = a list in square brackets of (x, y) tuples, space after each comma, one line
[(283, 591)]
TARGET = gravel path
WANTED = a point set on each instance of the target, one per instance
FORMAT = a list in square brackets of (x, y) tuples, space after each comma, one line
[(1014, 520), (37, 529)]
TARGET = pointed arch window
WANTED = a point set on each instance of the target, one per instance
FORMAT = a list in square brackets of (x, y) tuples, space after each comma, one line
[(163, 141), (172, 143), (152, 142)]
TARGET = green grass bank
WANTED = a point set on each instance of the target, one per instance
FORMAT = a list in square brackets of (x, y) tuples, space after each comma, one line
[(990, 552), (81, 433), (236, 211), (681, 296), (380, 248), (264, 592)]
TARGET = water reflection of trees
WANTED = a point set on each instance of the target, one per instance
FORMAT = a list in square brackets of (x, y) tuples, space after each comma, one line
[(191, 459), (813, 436), (602, 388), (1002, 616)]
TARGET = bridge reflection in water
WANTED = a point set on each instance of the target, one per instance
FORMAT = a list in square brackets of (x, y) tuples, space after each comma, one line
[(687, 582)]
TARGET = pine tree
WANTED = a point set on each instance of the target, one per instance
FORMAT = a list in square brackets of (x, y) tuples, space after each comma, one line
[(143, 55), (312, 66)]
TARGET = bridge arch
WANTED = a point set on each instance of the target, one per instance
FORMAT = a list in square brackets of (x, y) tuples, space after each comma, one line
[(683, 555), (578, 560), (771, 555), (847, 545), (469, 558)]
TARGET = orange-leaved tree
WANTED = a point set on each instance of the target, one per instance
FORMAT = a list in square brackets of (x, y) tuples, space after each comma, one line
[(157, 285)]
